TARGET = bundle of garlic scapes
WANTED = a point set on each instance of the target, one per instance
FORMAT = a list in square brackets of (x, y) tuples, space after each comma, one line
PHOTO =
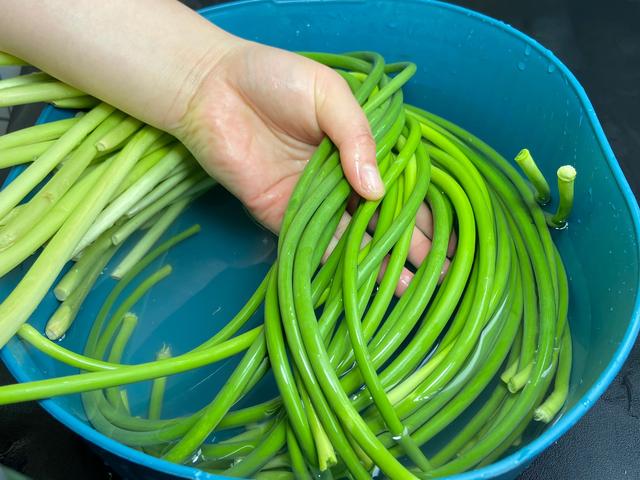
[(365, 382)]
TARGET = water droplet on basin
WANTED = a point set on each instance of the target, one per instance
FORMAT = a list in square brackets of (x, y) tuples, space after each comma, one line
[(527, 50), (551, 68), (521, 66)]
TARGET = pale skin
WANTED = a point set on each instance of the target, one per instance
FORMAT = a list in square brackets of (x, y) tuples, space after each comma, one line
[(251, 114)]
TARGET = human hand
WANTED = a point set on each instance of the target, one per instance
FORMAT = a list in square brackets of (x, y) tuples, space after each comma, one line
[(251, 114), (258, 115)]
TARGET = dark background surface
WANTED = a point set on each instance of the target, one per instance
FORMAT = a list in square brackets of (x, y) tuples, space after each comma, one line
[(600, 42)]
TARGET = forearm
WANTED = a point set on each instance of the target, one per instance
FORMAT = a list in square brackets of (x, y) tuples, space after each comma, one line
[(145, 57)]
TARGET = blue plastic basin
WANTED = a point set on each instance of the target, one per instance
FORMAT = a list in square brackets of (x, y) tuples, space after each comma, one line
[(475, 71)]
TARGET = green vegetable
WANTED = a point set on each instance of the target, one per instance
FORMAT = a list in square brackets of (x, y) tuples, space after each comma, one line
[(37, 133), (7, 59), (84, 101), (23, 154), (365, 381), (37, 92)]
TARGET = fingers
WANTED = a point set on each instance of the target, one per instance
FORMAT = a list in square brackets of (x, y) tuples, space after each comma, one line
[(342, 227), (340, 116), (405, 277), (419, 248), (424, 221), (420, 243), (453, 243)]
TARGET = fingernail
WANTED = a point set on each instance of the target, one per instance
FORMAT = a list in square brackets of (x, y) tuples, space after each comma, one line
[(370, 180)]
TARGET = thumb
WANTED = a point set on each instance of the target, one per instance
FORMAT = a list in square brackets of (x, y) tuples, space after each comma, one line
[(340, 116)]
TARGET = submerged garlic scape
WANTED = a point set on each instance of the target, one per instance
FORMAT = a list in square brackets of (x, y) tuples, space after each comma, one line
[(364, 381)]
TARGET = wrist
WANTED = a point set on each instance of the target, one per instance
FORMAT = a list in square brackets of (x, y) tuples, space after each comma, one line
[(198, 66)]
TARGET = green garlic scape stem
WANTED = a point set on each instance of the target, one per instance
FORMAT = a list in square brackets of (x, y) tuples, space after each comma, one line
[(119, 206), (23, 300), (566, 178), (533, 173), (150, 238), (552, 405), (116, 136), (7, 59), (158, 387), (125, 374), (37, 133), (198, 179), (67, 312), (36, 92), (23, 153), (121, 311), (76, 103), (160, 191), (36, 208), (129, 323), (364, 380), (24, 80), (79, 270), (36, 237), (13, 193)]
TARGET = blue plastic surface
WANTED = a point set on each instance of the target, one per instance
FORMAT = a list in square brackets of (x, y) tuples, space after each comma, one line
[(473, 70)]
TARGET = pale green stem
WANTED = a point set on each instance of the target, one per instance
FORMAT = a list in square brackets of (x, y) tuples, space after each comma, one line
[(198, 179), (39, 169), (8, 59), (326, 453), (7, 218), (37, 133), (37, 92), (509, 372), (554, 402), (566, 179), (418, 376), (64, 316), (119, 134), (150, 238), (34, 285), (158, 387), (11, 157), (118, 207), (56, 187), (142, 167), (76, 103), (24, 80), (27, 245), (129, 322), (535, 176), (79, 270), (520, 379), (160, 191)]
